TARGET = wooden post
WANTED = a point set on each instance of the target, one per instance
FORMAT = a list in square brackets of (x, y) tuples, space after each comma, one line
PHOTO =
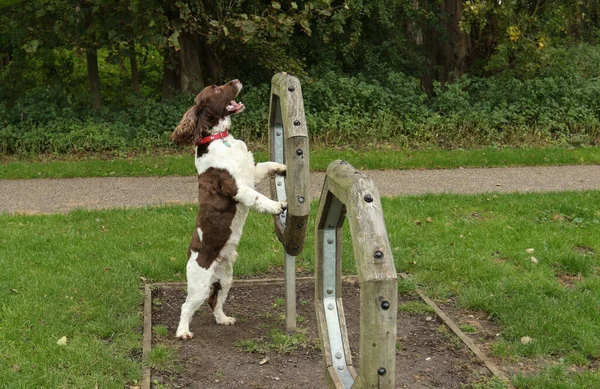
[(288, 144), (346, 191)]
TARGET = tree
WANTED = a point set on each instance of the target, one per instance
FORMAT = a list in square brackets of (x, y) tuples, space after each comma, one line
[(507, 34)]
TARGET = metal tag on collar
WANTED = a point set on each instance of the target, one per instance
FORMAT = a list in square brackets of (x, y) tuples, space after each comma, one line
[(226, 143)]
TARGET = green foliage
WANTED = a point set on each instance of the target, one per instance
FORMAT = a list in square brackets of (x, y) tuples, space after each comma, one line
[(553, 108), (415, 307)]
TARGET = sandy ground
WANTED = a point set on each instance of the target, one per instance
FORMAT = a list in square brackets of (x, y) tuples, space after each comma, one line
[(63, 195)]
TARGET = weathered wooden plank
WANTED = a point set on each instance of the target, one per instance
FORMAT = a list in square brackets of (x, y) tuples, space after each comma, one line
[(147, 337), (347, 191), (378, 334), (292, 106), (287, 124), (297, 186), (367, 227), (344, 329)]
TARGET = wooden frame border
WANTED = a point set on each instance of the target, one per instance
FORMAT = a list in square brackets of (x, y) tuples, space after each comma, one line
[(287, 120), (346, 191), (147, 332)]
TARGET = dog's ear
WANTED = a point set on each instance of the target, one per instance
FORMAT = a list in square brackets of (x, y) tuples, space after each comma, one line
[(195, 124), (184, 132), (205, 121)]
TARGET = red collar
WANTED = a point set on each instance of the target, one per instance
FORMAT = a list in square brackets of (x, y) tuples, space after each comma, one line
[(208, 139)]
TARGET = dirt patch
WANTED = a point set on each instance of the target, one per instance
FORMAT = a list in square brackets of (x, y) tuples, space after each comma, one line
[(429, 354), (476, 324)]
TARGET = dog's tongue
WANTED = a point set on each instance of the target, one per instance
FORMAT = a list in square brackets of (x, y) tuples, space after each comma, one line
[(234, 106)]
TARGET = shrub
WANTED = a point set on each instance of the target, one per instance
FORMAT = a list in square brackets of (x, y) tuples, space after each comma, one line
[(558, 103)]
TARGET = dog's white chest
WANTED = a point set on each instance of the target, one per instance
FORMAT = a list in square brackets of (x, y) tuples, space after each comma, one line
[(232, 155)]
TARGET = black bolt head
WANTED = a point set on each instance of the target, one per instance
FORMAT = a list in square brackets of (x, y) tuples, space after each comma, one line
[(296, 122), (378, 254), (381, 371), (299, 152), (291, 89), (300, 225), (385, 305), (368, 198)]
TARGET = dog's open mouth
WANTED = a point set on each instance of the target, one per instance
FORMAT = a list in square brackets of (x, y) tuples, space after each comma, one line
[(235, 107)]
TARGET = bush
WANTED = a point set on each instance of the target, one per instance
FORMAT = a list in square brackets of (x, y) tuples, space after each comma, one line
[(557, 103)]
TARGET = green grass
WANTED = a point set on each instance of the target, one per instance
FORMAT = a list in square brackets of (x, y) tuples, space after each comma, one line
[(468, 329), (559, 377), (381, 158), (80, 275), (415, 307)]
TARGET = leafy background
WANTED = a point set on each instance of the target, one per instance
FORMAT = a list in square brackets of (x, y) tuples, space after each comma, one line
[(426, 72)]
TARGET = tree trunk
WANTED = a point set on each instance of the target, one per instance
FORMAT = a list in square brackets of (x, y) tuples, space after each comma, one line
[(170, 83), (93, 77), (190, 62), (449, 46), (135, 74), (456, 49), (212, 64)]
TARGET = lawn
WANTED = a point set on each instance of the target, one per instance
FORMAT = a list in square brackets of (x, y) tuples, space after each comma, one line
[(368, 158), (80, 276)]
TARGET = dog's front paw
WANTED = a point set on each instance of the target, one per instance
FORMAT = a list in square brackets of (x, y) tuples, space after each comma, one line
[(282, 206), (280, 169), (273, 207), (184, 335), (226, 320)]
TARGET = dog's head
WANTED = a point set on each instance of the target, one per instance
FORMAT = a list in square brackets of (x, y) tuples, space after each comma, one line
[(211, 105)]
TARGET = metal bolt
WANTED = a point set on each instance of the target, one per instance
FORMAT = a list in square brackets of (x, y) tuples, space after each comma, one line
[(300, 225), (330, 240), (296, 122), (340, 367), (301, 199), (296, 248), (381, 371), (385, 305), (279, 183), (342, 162), (338, 355), (329, 290), (291, 89), (330, 307), (378, 254), (368, 198), (278, 133), (299, 152)]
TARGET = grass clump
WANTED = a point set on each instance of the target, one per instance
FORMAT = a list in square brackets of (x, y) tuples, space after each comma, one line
[(415, 307), (278, 341), (162, 358)]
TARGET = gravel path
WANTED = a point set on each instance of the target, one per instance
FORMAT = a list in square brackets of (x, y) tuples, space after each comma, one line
[(63, 195)]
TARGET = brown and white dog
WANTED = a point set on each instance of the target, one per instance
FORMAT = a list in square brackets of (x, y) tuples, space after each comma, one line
[(226, 179)]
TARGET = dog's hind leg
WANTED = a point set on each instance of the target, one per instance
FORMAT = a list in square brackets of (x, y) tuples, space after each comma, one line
[(224, 274), (199, 281)]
